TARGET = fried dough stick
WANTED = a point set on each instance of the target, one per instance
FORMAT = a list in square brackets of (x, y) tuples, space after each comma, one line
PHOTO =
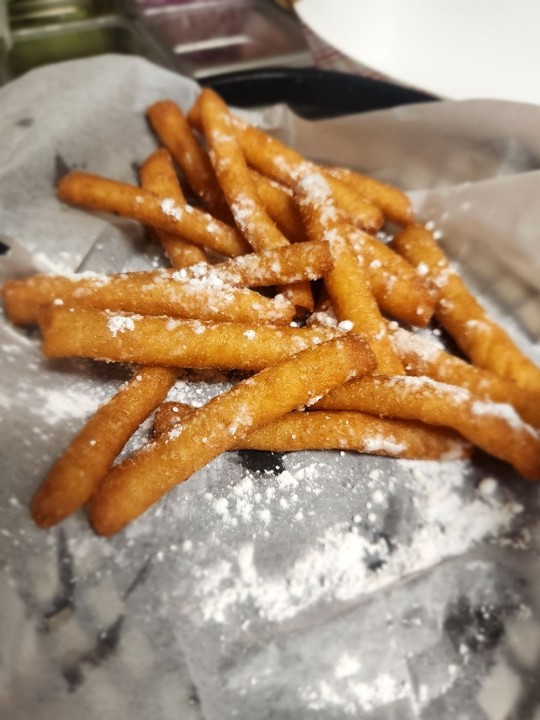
[(239, 189), (98, 193), (76, 474), (174, 131), (346, 283), (484, 342), (279, 203), (137, 483), (196, 291), (395, 205), (145, 293), (423, 357), (399, 290), (158, 176), (272, 158), (339, 431), (281, 266), (149, 340), (494, 427)]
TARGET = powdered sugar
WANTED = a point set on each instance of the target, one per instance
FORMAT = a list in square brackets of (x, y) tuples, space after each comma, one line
[(243, 210), (292, 170), (171, 208), (427, 385), (120, 324), (332, 569), (504, 411), (381, 443), (351, 697), (407, 342), (316, 192), (56, 406)]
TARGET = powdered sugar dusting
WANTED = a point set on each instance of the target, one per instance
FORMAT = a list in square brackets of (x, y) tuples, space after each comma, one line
[(351, 697), (243, 210), (381, 443), (450, 523), (171, 208), (57, 406), (504, 411), (407, 342), (120, 324), (316, 192)]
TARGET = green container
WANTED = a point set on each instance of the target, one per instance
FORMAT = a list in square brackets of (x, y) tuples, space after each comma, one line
[(36, 46), (36, 13)]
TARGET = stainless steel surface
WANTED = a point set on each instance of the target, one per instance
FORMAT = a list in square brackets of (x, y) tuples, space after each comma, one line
[(216, 36)]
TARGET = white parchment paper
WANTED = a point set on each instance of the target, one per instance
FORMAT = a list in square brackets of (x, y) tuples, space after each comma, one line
[(309, 585)]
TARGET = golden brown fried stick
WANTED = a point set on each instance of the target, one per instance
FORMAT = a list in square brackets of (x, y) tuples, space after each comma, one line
[(168, 415), (395, 205), (200, 287), (339, 431), (346, 283), (494, 427), (484, 342), (399, 290), (137, 483), (237, 184), (148, 340), (282, 266), (272, 158), (158, 176), (279, 203), (172, 128), (98, 193), (423, 357), (77, 473), (151, 293), (234, 176)]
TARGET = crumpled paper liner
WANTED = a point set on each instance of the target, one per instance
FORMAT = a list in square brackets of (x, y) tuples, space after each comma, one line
[(308, 585)]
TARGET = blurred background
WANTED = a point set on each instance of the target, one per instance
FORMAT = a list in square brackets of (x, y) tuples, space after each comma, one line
[(198, 38)]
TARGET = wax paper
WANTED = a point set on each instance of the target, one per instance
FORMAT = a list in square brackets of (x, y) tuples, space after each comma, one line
[(305, 585)]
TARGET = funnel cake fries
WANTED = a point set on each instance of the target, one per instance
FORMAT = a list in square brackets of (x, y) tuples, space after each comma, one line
[(189, 223), (239, 189), (158, 176), (349, 379), (138, 482), (277, 161), (146, 293), (339, 431), (174, 131), (484, 342), (395, 205), (423, 357), (201, 291), (346, 283), (279, 203), (76, 474), (399, 290), (234, 176), (150, 340), (496, 428)]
